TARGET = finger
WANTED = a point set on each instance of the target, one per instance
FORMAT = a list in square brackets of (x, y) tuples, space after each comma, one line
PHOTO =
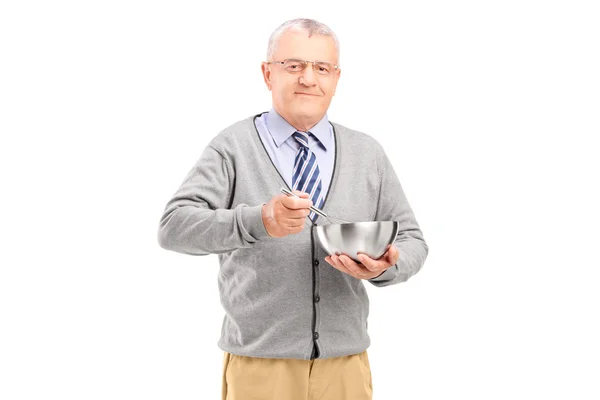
[(351, 271), (356, 269), (297, 214), (380, 263), (387, 252), (301, 194), (339, 266), (395, 254), (294, 203), (388, 249), (391, 257), (291, 223), (292, 218), (368, 262), (296, 224)]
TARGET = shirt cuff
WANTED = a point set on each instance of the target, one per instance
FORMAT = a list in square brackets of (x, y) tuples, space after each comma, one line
[(253, 223)]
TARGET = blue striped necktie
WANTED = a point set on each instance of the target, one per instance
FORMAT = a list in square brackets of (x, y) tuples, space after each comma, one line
[(306, 177)]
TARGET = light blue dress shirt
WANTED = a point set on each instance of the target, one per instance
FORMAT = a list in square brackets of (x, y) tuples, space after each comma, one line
[(276, 134)]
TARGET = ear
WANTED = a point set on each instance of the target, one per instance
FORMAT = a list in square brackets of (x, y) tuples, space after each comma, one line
[(338, 73), (264, 67)]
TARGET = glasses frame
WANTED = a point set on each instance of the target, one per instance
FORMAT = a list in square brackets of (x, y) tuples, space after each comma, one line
[(305, 62)]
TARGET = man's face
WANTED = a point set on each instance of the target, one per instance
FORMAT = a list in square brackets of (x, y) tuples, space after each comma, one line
[(302, 97)]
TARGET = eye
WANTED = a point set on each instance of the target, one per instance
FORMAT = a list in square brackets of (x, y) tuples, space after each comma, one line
[(323, 68), (293, 65)]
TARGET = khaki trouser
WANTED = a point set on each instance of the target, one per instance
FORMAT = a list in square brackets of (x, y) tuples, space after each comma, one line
[(338, 378)]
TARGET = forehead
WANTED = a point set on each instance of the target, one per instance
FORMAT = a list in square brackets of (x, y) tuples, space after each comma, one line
[(295, 43)]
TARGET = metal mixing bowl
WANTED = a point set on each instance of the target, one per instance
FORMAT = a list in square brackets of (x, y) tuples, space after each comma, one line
[(370, 238)]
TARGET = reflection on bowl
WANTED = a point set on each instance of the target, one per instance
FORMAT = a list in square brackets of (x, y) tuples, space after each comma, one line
[(370, 238)]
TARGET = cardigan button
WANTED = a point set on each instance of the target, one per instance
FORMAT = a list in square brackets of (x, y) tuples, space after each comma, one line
[(316, 262), (317, 299), (316, 335)]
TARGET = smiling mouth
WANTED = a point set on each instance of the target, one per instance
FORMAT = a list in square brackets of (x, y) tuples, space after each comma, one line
[(306, 94)]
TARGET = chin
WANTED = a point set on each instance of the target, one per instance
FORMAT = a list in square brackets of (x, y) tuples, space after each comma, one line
[(308, 111)]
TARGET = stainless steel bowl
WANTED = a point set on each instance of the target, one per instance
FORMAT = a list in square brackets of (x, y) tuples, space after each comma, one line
[(370, 238)]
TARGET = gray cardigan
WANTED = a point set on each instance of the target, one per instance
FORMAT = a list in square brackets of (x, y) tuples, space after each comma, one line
[(281, 298)]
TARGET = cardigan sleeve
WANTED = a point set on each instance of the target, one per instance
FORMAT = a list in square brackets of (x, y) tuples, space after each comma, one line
[(393, 206), (197, 219)]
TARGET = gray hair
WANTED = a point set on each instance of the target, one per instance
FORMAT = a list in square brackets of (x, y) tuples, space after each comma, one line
[(313, 27)]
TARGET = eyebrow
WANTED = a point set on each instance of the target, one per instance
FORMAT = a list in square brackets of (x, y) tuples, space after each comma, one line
[(300, 59)]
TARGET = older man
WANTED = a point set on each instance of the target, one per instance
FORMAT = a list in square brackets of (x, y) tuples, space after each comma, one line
[(294, 327)]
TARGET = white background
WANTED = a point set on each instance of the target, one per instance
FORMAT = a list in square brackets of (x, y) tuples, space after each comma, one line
[(487, 110)]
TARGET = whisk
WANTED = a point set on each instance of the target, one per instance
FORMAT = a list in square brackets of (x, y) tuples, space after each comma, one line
[(315, 209)]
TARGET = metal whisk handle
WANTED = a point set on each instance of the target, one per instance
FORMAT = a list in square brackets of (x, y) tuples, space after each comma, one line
[(284, 190)]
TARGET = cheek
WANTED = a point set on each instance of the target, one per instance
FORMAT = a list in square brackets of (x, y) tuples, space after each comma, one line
[(284, 91), (281, 94), (328, 90)]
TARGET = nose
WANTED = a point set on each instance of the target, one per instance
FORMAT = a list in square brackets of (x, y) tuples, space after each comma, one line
[(307, 77)]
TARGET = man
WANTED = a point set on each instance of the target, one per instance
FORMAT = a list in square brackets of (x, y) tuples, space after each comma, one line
[(295, 328)]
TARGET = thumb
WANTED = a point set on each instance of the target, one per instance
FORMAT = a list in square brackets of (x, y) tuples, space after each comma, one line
[(301, 194), (392, 255)]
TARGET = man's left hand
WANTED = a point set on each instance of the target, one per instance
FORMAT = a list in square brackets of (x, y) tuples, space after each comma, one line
[(369, 268)]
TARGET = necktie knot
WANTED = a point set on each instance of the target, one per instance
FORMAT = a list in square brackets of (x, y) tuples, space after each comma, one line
[(302, 138)]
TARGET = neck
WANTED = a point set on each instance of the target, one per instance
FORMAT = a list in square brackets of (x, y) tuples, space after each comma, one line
[(301, 123)]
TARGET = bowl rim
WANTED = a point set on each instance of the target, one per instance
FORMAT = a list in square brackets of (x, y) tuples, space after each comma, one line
[(358, 223)]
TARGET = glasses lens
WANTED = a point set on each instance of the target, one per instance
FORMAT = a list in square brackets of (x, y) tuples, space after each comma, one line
[(320, 67), (323, 68), (292, 65)]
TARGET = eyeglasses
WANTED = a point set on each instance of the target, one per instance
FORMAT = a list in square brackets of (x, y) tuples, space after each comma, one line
[(294, 65)]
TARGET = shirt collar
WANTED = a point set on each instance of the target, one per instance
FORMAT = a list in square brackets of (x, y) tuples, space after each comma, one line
[(281, 130)]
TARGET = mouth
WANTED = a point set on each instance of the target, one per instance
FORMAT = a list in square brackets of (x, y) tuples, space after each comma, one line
[(305, 94)]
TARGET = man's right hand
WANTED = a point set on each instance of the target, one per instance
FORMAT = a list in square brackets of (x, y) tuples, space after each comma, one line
[(284, 215)]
